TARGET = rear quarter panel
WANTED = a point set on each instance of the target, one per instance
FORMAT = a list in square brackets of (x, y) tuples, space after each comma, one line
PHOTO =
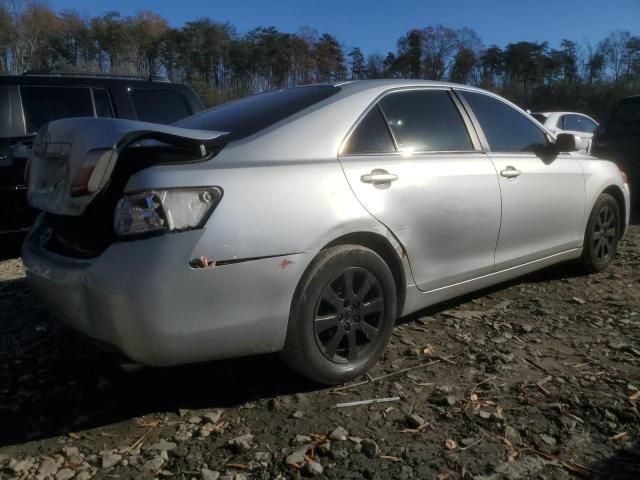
[(270, 208)]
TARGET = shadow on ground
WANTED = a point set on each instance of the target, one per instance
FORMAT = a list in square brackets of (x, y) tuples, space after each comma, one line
[(10, 246), (51, 385), (624, 465)]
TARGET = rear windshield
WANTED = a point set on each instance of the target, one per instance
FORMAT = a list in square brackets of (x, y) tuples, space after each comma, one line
[(249, 115), (628, 111)]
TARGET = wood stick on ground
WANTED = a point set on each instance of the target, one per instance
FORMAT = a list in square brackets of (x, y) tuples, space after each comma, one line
[(382, 377), (481, 383), (462, 449), (572, 467), (537, 365), (138, 442)]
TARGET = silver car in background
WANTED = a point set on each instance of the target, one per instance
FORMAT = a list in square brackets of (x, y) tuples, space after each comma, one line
[(305, 220), (578, 124)]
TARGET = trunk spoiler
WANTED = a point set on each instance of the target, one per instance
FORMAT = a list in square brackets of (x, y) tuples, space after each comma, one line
[(86, 149)]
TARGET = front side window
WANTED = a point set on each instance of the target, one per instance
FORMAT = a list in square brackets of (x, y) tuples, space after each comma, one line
[(588, 125), (506, 129), (426, 121), (45, 104), (370, 136), (159, 106)]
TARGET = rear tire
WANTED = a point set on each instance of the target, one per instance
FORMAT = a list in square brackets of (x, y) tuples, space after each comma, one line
[(342, 315), (602, 235)]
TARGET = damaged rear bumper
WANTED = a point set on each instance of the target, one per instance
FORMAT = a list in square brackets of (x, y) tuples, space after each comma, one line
[(159, 311)]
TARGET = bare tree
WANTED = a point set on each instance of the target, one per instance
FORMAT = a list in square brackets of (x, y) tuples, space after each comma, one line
[(613, 48)]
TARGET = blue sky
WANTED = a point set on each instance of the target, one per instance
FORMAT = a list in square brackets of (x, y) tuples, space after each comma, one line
[(375, 26)]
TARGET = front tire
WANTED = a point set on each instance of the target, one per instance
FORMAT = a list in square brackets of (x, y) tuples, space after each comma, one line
[(342, 315), (602, 235)]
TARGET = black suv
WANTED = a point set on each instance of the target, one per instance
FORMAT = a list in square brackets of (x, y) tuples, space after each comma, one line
[(618, 138), (29, 101)]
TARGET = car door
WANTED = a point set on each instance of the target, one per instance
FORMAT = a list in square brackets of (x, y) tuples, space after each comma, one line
[(414, 165), (543, 200)]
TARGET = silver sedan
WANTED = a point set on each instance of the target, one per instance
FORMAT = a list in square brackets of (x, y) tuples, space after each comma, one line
[(305, 220)]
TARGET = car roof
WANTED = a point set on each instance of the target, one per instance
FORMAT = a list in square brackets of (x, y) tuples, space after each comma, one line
[(354, 86), (82, 80), (548, 114)]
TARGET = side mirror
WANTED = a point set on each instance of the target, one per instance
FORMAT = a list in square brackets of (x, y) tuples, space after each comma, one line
[(566, 142)]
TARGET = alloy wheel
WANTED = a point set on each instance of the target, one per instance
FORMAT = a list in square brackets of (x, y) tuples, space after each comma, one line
[(349, 315), (604, 234)]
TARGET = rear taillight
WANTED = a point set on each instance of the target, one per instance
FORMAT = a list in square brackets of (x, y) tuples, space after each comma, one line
[(96, 167), (155, 211)]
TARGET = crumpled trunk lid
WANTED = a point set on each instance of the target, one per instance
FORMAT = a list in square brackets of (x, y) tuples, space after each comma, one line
[(66, 150)]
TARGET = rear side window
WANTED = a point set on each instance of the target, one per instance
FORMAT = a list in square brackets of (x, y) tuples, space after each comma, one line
[(249, 115), (102, 102), (506, 129), (45, 104), (426, 121), (370, 136), (159, 106), (578, 123)]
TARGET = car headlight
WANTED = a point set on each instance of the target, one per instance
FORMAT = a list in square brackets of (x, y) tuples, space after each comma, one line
[(155, 211)]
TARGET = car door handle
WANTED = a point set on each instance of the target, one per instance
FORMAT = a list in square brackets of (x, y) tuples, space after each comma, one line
[(510, 172), (378, 177)]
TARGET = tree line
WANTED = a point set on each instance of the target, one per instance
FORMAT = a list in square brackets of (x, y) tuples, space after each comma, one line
[(222, 64)]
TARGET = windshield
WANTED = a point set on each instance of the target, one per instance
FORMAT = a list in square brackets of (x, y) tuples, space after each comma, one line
[(249, 115)]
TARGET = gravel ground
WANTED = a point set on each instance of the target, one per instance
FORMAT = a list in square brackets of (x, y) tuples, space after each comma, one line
[(538, 378)]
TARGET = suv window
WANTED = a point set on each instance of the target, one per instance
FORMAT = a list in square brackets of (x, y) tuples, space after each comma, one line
[(159, 106), (249, 115), (426, 121), (102, 102), (577, 123), (628, 111), (45, 104), (506, 129), (371, 135)]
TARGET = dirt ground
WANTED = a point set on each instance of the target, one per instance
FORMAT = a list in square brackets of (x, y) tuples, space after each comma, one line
[(538, 378)]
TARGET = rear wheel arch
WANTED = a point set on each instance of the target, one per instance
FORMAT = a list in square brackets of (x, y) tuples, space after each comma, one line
[(383, 247), (617, 194)]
